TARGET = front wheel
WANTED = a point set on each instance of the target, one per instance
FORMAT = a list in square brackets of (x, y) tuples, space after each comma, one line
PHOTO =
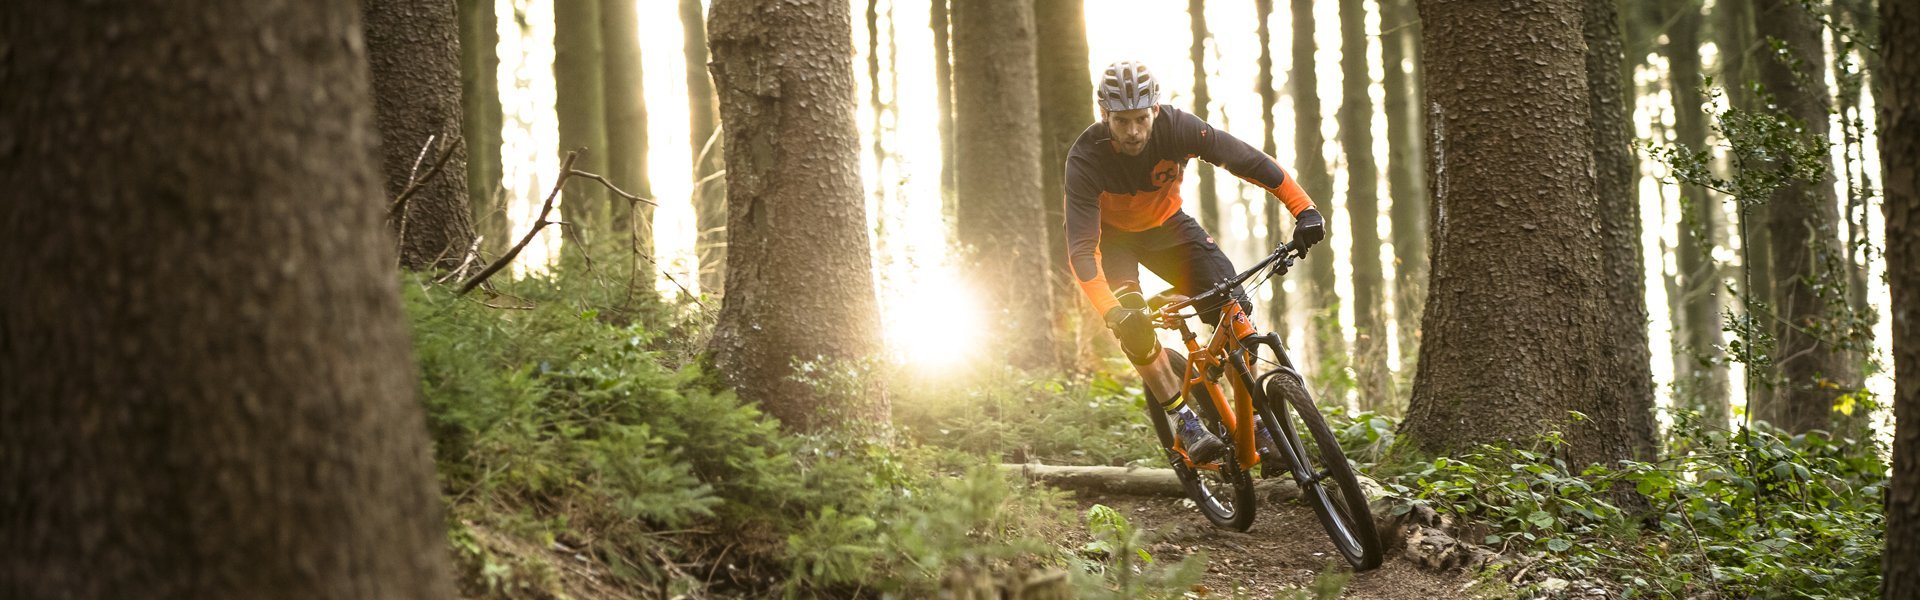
[(1327, 482)]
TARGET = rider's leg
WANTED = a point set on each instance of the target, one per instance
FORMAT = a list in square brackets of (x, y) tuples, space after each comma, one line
[(1164, 385)]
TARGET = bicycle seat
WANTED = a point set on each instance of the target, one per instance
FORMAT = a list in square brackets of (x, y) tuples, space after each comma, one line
[(1164, 298)]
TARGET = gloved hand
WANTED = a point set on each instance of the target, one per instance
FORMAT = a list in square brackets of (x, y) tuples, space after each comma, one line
[(1134, 327), (1309, 228)]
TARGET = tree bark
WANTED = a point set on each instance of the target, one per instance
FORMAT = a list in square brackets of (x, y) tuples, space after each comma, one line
[(1277, 229), (1209, 196), (1400, 30), (799, 276), (413, 48), (626, 104), (209, 391), (1804, 221), (481, 111), (943, 98), (1066, 109), (1616, 169), (1700, 382), (999, 216), (1363, 207), (1324, 339), (1517, 333), (710, 191), (1900, 162), (580, 99)]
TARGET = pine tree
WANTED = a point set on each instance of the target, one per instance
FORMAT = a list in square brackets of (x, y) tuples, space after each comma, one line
[(626, 105), (209, 389), (481, 111), (580, 101), (1399, 37), (710, 188), (1363, 209), (413, 49), (1209, 196), (1900, 162), (1628, 396)]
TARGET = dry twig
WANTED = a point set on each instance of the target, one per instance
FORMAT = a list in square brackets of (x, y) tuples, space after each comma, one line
[(566, 169)]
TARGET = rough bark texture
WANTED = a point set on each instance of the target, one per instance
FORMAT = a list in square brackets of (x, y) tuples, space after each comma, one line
[(1406, 174), (799, 278), (999, 218), (1363, 208), (1276, 227), (1615, 170), (943, 98), (626, 124), (413, 47), (1900, 161), (1066, 109), (1804, 223), (703, 116), (481, 113), (1209, 197), (1517, 333), (1323, 329), (209, 391), (1700, 383), (580, 99)]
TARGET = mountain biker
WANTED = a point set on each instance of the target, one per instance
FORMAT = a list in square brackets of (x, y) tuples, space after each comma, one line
[(1123, 210)]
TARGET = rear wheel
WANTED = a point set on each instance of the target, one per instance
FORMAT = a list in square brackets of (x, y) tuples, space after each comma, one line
[(1327, 481), (1225, 495)]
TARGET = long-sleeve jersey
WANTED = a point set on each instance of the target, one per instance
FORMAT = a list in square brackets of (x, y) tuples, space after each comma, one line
[(1136, 193)]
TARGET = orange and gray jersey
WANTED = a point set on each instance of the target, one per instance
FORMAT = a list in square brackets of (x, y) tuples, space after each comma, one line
[(1106, 189)]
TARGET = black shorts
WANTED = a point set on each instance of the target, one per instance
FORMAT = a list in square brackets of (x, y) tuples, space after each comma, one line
[(1179, 251)]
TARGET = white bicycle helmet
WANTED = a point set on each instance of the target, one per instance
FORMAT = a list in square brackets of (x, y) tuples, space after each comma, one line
[(1127, 85)]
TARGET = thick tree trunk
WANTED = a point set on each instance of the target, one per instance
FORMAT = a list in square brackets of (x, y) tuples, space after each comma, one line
[(943, 99), (413, 47), (1629, 392), (1517, 331), (1900, 161), (1700, 382), (1000, 219), (1804, 223), (1400, 30), (481, 112), (209, 391), (1363, 208), (799, 276), (1324, 339), (1277, 227), (626, 103), (1209, 197), (580, 99), (1066, 109), (710, 190)]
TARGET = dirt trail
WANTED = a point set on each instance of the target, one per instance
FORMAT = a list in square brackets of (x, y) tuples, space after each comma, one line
[(1284, 550)]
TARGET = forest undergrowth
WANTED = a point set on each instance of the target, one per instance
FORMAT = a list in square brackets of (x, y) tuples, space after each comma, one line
[(585, 453)]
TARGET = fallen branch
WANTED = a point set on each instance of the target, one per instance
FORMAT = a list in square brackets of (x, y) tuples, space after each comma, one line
[(1135, 481), (414, 183), (566, 169)]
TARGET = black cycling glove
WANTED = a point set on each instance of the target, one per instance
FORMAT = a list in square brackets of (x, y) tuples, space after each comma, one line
[(1309, 228)]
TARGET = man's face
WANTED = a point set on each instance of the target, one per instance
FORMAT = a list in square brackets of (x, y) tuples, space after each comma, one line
[(1130, 129)]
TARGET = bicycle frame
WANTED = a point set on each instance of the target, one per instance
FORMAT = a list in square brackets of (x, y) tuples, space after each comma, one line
[(1222, 354)]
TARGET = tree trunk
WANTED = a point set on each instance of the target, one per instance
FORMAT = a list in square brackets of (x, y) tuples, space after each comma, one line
[(413, 48), (1517, 333), (1700, 382), (1734, 32), (1276, 229), (1630, 389), (1804, 221), (710, 190), (1209, 197), (1400, 30), (480, 88), (580, 99), (209, 391), (799, 276), (1066, 109), (626, 105), (1000, 219), (1363, 206), (1900, 161), (943, 98), (1323, 324)]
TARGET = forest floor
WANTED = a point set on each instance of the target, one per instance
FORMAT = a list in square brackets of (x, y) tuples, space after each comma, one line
[(1286, 549)]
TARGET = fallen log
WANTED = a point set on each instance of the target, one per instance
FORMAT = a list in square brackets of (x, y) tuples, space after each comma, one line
[(1133, 481)]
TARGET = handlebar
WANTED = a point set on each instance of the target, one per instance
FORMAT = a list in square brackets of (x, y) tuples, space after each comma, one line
[(1280, 260)]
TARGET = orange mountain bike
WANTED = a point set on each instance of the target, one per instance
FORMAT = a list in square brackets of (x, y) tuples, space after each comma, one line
[(1275, 399)]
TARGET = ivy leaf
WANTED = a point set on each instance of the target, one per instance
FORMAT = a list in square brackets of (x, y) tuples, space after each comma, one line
[(1559, 544), (1540, 519)]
